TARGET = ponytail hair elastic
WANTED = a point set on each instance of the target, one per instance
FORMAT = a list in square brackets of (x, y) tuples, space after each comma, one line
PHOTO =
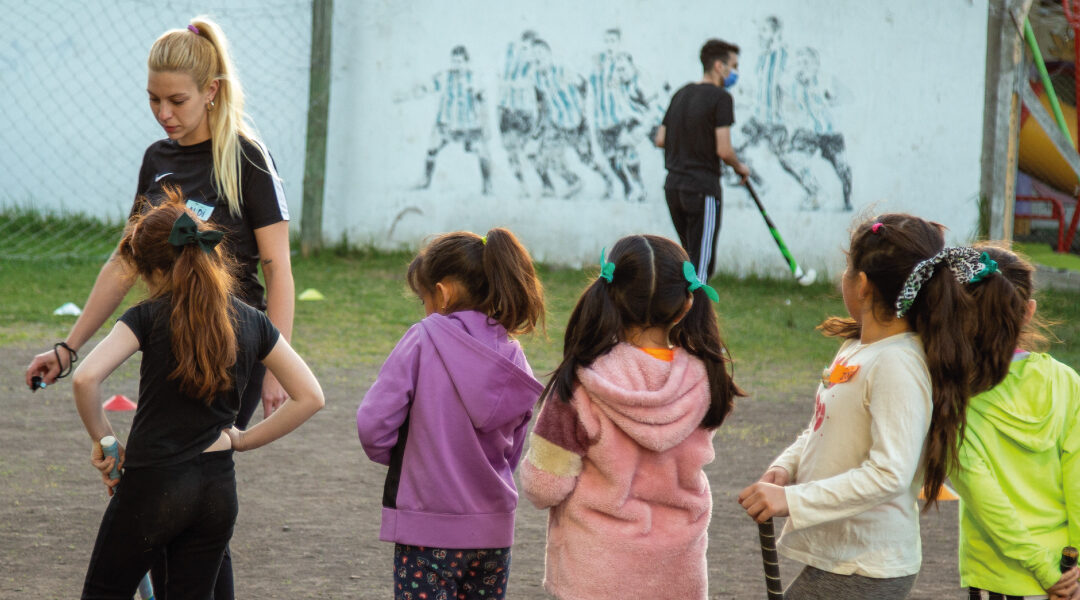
[(185, 232), (877, 227), (607, 269), (965, 264), (193, 29), (690, 273), (990, 267)]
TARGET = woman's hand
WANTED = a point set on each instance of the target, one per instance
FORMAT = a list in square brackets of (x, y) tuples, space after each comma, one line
[(46, 366), (763, 501), (1066, 588), (105, 465), (777, 476), (273, 395)]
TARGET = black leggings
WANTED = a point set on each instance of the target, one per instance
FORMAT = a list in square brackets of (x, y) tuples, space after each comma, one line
[(187, 510)]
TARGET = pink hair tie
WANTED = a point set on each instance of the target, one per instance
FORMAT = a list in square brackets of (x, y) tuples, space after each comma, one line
[(876, 227), (193, 29)]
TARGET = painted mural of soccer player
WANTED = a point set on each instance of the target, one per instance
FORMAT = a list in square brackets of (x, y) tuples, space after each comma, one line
[(562, 123), (620, 110), (518, 107), (812, 124), (766, 123), (461, 117)]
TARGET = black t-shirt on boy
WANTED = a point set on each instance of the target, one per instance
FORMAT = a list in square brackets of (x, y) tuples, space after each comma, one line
[(695, 112)]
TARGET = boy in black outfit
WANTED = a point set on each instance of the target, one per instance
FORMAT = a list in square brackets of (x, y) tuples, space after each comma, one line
[(695, 133)]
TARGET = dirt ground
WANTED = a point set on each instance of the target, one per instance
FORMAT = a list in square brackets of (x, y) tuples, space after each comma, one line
[(309, 503)]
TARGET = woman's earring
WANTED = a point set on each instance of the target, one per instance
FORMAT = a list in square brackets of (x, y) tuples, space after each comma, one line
[(210, 106)]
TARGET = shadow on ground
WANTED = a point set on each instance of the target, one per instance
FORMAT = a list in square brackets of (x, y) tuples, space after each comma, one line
[(309, 504)]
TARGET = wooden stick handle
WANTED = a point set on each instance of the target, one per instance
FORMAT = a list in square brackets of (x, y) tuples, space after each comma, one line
[(771, 561)]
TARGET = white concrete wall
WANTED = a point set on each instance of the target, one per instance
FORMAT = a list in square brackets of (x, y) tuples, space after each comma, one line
[(902, 83)]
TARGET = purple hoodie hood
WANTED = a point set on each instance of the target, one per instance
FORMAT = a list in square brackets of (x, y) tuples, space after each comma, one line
[(480, 363)]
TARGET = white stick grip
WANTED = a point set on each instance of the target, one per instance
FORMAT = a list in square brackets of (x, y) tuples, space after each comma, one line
[(110, 447)]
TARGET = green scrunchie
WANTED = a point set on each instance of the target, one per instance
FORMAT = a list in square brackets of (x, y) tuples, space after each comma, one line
[(990, 267), (690, 273), (607, 269), (186, 232)]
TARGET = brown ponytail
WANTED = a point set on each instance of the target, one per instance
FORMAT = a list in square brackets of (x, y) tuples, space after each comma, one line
[(1001, 301), (198, 285), (942, 315), (495, 271)]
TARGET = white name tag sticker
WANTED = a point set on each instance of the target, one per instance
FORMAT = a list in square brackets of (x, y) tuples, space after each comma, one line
[(201, 210)]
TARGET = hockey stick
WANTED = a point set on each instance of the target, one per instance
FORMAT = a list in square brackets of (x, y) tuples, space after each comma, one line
[(804, 278), (771, 561)]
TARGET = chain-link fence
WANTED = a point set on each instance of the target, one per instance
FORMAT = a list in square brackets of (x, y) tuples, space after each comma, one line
[(75, 120)]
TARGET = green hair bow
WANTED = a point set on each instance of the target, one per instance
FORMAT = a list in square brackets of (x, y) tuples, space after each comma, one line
[(186, 232), (607, 269), (690, 273), (990, 267)]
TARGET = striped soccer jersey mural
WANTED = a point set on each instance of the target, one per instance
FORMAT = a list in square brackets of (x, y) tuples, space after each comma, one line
[(791, 124), (548, 113)]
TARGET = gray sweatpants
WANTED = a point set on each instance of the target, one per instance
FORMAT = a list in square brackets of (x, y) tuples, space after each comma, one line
[(815, 584)]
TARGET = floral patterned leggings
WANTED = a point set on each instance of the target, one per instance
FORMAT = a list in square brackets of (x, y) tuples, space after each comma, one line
[(424, 573)]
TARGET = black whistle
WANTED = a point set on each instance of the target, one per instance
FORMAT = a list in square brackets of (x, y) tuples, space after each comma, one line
[(36, 383), (1068, 558)]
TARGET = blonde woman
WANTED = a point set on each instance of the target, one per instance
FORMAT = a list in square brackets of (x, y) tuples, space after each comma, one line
[(228, 179)]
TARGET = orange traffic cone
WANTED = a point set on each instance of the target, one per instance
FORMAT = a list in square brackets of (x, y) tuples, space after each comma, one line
[(119, 402), (945, 493)]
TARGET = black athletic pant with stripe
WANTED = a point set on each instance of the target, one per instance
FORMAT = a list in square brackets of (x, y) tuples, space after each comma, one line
[(696, 217)]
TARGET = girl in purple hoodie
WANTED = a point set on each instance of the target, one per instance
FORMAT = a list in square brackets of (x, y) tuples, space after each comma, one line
[(448, 415), (618, 450)]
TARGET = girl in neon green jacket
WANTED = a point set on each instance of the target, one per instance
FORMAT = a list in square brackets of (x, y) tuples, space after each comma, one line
[(1019, 459)]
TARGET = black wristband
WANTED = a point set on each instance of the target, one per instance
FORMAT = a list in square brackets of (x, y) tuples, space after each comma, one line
[(72, 356)]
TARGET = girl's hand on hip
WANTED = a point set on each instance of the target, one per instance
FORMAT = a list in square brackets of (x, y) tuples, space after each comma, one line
[(105, 465), (273, 395), (236, 438), (763, 501)]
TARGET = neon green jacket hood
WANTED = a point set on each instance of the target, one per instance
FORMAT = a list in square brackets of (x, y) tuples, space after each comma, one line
[(1019, 478)]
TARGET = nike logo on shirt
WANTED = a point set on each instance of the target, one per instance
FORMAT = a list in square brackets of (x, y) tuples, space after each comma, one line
[(158, 178)]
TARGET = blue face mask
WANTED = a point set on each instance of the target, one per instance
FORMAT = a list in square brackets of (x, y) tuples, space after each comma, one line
[(730, 80)]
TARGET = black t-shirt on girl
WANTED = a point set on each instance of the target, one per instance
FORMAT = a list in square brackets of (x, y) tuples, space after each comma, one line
[(691, 120), (191, 168), (169, 426)]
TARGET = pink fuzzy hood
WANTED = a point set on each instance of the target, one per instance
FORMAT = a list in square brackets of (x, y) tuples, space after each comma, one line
[(655, 402), (621, 467)]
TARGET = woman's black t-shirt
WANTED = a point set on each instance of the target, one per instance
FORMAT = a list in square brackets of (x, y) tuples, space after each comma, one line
[(191, 168), (169, 426)]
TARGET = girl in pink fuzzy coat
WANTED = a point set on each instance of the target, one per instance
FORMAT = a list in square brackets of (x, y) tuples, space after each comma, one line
[(618, 449)]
